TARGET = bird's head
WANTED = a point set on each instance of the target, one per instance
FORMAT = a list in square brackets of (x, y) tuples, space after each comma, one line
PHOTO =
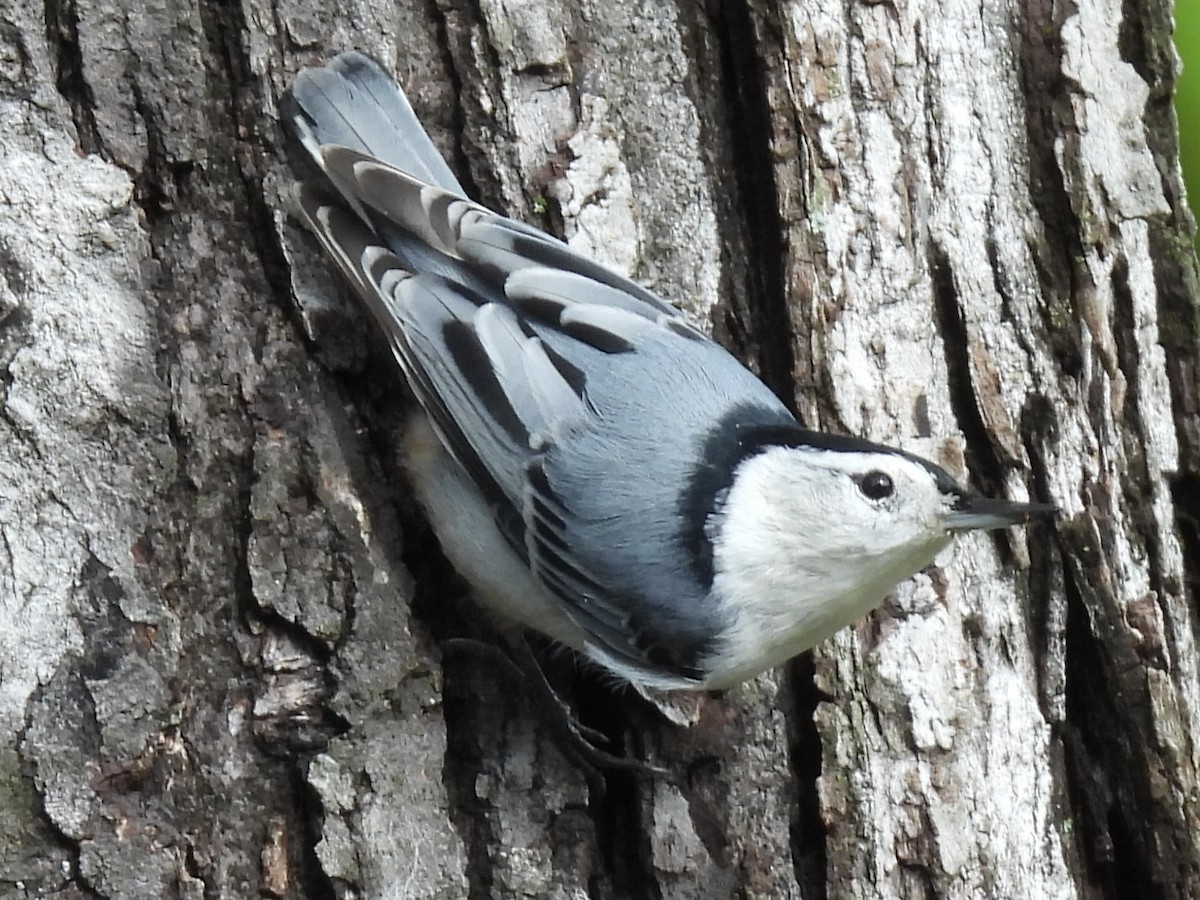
[(815, 529)]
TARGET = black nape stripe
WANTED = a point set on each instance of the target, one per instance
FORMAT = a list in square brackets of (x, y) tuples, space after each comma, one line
[(795, 436), (743, 433)]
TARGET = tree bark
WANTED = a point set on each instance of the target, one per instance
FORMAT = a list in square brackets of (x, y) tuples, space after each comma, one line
[(955, 227)]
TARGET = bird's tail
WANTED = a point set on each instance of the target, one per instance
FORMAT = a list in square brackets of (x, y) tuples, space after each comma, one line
[(352, 102)]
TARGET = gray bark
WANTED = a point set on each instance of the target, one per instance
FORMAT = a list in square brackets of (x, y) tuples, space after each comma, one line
[(957, 227)]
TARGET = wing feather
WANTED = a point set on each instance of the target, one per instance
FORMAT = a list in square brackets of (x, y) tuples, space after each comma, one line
[(502, 401), (470, 232)]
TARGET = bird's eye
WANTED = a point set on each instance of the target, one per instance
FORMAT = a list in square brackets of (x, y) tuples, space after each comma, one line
[(876, 485)]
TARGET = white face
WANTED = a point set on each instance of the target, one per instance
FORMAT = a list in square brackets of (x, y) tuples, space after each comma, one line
[(810, 540), (854, 506)]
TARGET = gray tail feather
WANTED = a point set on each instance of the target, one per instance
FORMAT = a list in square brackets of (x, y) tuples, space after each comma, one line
[(351, 101)]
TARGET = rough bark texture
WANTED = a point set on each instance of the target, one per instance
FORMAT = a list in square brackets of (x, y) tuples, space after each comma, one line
[(954, 226)]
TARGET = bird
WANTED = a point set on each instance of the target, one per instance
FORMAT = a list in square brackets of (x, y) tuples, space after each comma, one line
[(599, 469)]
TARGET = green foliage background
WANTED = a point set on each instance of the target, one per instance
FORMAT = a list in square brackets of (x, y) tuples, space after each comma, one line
[(1187, 100)]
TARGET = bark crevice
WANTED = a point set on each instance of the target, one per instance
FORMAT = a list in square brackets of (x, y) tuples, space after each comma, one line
[(738, 28), (62, 34)]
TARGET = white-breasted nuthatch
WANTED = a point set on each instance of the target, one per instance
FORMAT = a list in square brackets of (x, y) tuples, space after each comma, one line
[(599, 469)]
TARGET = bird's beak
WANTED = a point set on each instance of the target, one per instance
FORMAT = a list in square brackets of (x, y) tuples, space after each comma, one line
[(972, 512)]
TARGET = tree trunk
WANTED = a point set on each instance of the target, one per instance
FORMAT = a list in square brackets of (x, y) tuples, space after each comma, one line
[(956, 227)]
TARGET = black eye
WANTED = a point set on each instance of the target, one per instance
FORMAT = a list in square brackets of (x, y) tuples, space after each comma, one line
[(876, 485)]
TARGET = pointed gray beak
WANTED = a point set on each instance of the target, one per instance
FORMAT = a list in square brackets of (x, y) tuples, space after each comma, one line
[(972, 512)]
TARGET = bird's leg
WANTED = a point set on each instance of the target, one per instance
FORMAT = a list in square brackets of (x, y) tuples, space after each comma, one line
[(577, 741)]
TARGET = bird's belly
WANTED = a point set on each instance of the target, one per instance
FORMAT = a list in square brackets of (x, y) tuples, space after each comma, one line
[(466, 528)]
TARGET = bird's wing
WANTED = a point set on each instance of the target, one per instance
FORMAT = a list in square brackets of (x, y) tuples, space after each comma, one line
[(504, 380), (488, 243), (504, 334)]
